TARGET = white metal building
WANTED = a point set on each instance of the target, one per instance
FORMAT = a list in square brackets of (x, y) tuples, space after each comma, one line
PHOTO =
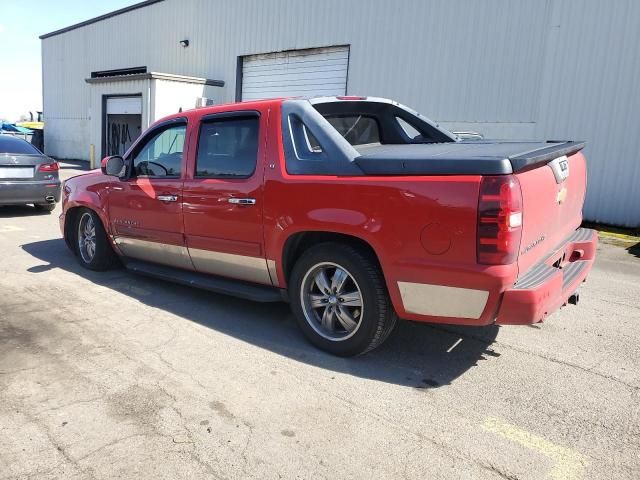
[(543, 69)]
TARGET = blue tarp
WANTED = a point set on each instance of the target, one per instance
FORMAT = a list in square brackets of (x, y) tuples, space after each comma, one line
[(10, 127)]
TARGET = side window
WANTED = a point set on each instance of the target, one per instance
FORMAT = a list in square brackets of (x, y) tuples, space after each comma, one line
[(409, 130), (228, 147), (305, 144), (311, 146), (312, 143), (161, 156)]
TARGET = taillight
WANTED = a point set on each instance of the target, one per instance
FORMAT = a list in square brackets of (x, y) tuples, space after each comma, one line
[(499, 220), (49, 167)]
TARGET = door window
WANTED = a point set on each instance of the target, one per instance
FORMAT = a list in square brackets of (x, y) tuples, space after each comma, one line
[(228, 148), (161, 156)]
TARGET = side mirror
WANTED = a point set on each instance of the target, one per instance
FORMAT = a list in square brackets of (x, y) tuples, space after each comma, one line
[(115, 166)]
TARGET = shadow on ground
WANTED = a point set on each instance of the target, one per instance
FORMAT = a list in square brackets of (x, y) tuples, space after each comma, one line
[(634, 250), (21, 211), (416, 355)]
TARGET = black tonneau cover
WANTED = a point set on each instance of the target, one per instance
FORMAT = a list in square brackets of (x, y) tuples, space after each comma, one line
[(460, 158)]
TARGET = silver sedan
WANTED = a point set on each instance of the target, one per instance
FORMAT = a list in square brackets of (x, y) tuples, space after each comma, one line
[(27, 175)]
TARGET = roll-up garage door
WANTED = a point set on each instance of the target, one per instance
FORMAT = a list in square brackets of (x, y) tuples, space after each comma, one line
[(307, 73), (124, 105)]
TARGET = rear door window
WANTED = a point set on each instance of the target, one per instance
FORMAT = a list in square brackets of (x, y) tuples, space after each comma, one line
[(228, 147)]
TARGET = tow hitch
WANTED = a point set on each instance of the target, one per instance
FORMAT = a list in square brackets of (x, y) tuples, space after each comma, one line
[(574, 299)]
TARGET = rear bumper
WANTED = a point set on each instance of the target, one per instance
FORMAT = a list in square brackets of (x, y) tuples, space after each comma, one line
[(20, 193), (548, 286)]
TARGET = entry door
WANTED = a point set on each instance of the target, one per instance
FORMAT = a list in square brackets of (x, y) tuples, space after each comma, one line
[(223, 201), (122, 123), (146, 211)]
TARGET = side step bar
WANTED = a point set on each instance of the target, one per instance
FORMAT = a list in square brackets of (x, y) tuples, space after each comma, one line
[(227, 286)]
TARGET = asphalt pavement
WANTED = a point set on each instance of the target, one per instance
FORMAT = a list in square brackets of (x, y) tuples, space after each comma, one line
[(110, 375)]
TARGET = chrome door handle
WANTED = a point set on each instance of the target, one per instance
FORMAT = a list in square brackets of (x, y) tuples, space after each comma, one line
[(167, 198), (242, 201)]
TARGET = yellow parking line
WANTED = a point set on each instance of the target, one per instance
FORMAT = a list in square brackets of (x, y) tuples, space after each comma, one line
[(620, 236), (568, 464)]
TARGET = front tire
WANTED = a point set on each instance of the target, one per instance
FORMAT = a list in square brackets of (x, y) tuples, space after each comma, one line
[(340, 300), (91, 242)]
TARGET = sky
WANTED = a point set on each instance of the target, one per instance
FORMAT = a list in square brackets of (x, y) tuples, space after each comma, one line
[(21, 23)]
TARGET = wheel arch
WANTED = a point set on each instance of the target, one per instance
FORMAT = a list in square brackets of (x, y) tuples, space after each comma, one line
[(297, 243), (70, 218)]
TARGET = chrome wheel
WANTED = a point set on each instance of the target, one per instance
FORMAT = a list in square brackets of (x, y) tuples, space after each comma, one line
[(331, 301), (87, 237)]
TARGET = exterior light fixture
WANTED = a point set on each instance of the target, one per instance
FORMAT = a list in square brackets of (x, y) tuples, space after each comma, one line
[(184, 43)]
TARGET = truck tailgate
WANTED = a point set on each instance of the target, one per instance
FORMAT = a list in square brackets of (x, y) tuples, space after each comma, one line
[(552, 199)]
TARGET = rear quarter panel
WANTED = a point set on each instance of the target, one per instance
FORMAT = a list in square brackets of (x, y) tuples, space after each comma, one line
[(422, 229)]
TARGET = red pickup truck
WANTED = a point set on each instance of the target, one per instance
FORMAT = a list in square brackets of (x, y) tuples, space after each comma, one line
[(356, 210)]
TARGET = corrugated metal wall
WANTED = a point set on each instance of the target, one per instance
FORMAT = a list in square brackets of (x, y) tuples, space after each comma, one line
[(513, 69), (591, 91)]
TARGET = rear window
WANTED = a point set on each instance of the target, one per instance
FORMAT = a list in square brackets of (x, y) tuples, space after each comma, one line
[(356, 129), (12, 145)]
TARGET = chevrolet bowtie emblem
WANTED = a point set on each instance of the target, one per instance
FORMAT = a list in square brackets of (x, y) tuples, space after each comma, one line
[(562, 195)]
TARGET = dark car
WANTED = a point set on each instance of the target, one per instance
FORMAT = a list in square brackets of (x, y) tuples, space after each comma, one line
[(27, 175)]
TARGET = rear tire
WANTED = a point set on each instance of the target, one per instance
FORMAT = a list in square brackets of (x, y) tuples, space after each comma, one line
[(340, 299), (91, 242), (45, 207)]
